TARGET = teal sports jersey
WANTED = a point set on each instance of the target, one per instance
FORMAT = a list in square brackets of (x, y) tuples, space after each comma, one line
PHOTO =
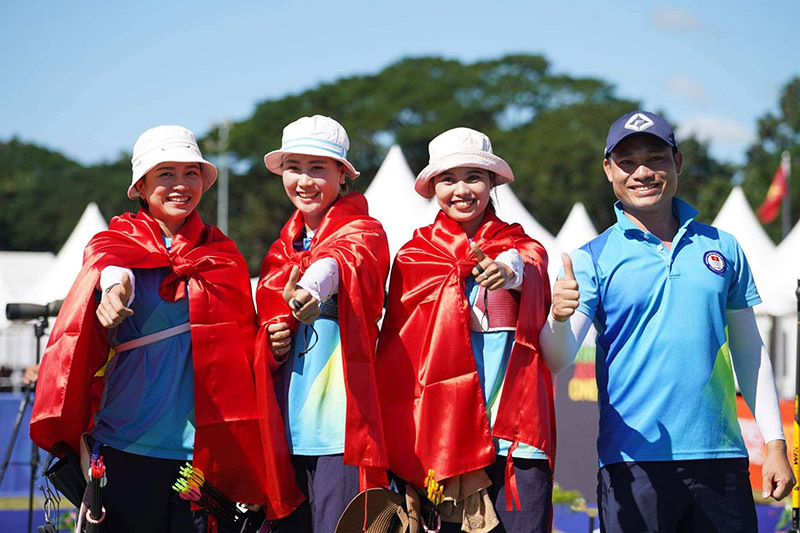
[(311, 391), (310, 387), (147, 406), (664, 375), (492, 350)]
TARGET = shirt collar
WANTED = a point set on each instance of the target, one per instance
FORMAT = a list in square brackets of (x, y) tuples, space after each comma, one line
[(682, 210)]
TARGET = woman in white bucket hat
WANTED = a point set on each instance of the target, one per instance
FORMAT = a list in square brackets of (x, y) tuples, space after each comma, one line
[(463, 389), (319, 299), (171, 297)]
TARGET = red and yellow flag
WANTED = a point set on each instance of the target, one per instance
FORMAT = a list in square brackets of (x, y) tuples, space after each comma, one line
[(778, 189)]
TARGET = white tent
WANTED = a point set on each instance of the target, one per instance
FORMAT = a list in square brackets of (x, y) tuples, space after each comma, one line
[(393, 201), (67, 264), (779, 292), (780, 302), (576, 231), (737, 217), (19, 271), (511, 210)]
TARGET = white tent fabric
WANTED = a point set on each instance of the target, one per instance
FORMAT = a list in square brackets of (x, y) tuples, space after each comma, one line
[(576, 231), (393, 202), (19, 272), (67, 264), (510, 209), (779, 292), (737, 217)]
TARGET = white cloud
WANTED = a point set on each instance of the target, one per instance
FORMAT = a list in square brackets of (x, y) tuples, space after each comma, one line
[(677, 20), (725, 134), (685, 87)]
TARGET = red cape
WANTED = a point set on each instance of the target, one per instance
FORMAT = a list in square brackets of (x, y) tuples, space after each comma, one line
[(205, 264), (358, 244), (431, 399)]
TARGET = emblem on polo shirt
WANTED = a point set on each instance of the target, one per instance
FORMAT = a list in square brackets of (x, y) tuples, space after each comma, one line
[(715, 262), (638, 122)]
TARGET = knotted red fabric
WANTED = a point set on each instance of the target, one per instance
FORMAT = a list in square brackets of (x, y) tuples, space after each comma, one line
[(207, 267), (358, 244), (431, 400)]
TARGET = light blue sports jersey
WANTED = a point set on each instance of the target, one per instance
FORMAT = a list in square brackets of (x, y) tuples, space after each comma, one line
[(311, 391), (492, 351), (147, 407), (664, 375)]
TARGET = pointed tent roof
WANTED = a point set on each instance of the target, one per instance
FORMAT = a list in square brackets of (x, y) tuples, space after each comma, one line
[(779, 293), (67, 264), (510, 209), (576, 231), (393, 202), (737, 217)]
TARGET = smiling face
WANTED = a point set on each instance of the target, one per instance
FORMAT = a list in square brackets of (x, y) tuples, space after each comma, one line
[(312, 184), (172, 191), (463, 195), (644, 171)]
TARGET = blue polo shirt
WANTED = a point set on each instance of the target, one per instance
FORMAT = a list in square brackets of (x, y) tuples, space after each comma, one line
[(664, 375)]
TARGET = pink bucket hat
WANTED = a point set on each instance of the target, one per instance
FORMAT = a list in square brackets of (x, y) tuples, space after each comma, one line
[(167, 143), (460, 147), (317, 135)]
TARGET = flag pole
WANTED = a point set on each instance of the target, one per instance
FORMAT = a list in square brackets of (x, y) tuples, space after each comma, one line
[(786, 215), (796, 433)]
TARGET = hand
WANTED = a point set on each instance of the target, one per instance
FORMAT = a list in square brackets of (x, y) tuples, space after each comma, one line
[(491, 275), (113, 307), (253, 507), (280, 339), (777, 479), (30, 375), (305, 307), (565, 292)]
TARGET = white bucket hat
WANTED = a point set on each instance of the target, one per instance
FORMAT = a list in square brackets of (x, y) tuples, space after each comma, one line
[(460, 147), (167, 143), (317, 135)]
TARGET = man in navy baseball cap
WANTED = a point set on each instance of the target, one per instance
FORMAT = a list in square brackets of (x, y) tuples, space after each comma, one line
[(672, 301), (639, 122)]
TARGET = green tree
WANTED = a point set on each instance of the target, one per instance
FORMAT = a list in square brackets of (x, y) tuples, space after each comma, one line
[(776, 132)]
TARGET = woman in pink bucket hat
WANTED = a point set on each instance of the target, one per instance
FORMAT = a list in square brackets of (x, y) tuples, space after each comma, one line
[(319, 297), (464, 391), (149, 364)]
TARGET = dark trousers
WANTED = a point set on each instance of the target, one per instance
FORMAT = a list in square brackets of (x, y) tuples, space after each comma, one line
[(666, 496), (138, 496), (329, 485), (535, 487)]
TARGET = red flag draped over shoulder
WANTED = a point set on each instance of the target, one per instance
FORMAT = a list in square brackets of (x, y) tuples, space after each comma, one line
[(207, 266), (431, 399), (358, 244)]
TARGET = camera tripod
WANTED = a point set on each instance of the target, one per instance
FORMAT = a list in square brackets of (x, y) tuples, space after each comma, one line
[(39, 328)]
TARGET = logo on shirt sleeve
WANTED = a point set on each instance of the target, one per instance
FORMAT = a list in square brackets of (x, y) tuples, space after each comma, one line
[(715, 262)]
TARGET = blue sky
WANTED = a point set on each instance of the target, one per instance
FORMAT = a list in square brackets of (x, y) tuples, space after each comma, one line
[(86, 78)]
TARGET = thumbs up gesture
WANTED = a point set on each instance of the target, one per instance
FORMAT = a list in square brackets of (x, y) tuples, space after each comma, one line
[(488, 273), (113, 308), (305, 307), (565, 292)]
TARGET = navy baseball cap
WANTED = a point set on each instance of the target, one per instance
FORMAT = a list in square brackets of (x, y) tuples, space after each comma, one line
[(639, 122)]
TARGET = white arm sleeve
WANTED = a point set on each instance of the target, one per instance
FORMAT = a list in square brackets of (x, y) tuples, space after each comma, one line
[(560, 341), (321, 279), (512, 260), (112, 275), (754, 372)]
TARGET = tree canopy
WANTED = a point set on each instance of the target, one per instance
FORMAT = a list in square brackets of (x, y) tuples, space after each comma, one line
[(550, 127)]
